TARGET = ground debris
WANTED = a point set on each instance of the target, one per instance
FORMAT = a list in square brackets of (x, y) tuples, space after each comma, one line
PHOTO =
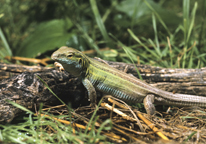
[(174, 126)]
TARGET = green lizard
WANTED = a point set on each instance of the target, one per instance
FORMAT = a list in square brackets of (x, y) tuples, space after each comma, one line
[(102, 77)]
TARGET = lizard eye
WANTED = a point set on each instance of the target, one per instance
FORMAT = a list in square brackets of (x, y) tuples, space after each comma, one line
[(69, 55)]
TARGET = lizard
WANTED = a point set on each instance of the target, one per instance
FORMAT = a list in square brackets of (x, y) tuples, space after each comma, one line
[(96, 75)]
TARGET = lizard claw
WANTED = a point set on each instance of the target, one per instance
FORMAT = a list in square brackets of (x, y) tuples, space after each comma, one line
[(58, 66)]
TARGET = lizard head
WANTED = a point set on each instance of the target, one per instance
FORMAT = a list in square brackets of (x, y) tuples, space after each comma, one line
[(73, 61)]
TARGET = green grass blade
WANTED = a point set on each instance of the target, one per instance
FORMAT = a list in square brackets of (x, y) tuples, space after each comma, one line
[(93, 115), (191, 59), (186, 8), (157, 47), (192, 22), (134, 18), (103, 126), (19, 106), (8, 49), (1, 136), (129, 54), (16, 140), (158, 53), (170, 48), (50, 90), (190, 136), (142, 44), (89, 39), (158, 17), (99, 21), (202, 29)]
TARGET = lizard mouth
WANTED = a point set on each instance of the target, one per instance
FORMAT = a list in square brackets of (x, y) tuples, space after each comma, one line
[(54, 57)]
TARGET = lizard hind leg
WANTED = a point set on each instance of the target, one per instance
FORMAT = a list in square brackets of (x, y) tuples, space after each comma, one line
[(148, 104)]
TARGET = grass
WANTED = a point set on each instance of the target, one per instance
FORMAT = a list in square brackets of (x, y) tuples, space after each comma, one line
[(120, 27), (44, 127), (46, 130)]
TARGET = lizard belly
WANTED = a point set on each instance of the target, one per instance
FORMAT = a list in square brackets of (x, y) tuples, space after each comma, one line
[(118, 89), (118, 93)]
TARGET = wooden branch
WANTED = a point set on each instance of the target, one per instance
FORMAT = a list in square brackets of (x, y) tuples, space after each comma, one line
[(27, 90)]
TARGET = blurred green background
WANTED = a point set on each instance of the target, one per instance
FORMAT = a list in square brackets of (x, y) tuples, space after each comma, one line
[(134, 30)]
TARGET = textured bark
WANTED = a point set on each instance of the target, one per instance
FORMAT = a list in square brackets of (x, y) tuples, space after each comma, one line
[(28, 91)]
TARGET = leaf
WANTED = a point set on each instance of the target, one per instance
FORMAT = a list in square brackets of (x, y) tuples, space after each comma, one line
[(47, 36), (143, 13)]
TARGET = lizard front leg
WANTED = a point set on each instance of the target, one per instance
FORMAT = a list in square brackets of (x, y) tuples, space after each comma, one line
[(58, 66), (148, 104), (91, 91)]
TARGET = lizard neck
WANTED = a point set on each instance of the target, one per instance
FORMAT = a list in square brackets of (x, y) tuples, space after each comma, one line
[(84, 63)]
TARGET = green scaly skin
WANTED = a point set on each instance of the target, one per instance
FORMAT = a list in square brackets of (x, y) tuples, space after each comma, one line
[(99, 76)]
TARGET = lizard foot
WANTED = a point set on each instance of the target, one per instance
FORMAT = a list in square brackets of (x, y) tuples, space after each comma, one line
[(148, 104), (58, 66)]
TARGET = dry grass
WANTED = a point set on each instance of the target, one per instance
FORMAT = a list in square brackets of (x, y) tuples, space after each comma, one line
[(129, 125)]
